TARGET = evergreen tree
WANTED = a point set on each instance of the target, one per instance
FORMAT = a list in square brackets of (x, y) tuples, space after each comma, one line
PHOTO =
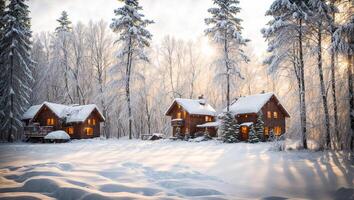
[(259, 127), (134, 38), (271, 136), (16, 73), (226, 30), (2, 14), (252, 135), (229, 128), (62, 45)]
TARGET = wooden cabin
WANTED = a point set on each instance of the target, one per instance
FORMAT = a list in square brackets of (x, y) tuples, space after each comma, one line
[(189, 116), (247, 109), (79, 121)]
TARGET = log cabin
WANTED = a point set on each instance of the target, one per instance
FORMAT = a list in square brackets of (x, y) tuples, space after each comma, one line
[(247, 109), (79, 121), (189, 116)]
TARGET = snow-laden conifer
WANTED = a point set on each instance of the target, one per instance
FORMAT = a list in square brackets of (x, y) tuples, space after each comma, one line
[(17, 65), (225, 29), (229, 128), (133, 39)]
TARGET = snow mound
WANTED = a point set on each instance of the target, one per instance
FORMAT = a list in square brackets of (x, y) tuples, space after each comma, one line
[(57, 135)]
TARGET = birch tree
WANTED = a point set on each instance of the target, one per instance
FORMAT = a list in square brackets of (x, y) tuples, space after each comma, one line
[(226, 30), (130, 25), (17, 65)]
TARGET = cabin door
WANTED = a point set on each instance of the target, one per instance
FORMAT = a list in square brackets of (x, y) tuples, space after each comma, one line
[(244, 133)]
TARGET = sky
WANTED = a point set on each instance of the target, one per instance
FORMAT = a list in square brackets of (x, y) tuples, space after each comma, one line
[(183, 19)]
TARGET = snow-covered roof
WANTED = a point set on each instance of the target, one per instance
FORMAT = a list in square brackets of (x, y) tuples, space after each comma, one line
[(248, 124), (253, 104), (209, 124), (71, 113), (31, 112), (194, 106)]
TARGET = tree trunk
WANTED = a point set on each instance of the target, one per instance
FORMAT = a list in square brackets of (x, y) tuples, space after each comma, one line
[(303, 89), (226, 52), (322, 86), (127, 87), (10, 134), (333, 86), (351, 99)]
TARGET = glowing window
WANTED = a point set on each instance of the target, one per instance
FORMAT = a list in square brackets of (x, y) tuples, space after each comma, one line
[(70, 130), (243, 129), (179, 115), (246, 116), (89, 121), (266, 131), (89, 131), (184, 114), (50, 121), (207, 118), (269, 114), (277, 130), (275, 114), (93, 121)]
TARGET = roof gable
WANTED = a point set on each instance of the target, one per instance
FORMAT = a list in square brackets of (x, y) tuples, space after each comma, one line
[(254, 103), (193, 107)]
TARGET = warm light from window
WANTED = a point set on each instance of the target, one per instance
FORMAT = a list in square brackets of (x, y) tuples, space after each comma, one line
[(89, 131), (269, 114), (266, 131), (244, 129), (93, 122), (179, 115), (184, 114), (207, 119), (50, 121), (275, 114), (70, 130), (277, 130), (246, 116)]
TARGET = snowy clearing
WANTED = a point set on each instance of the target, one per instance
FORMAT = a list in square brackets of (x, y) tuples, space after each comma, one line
[(115, 169)]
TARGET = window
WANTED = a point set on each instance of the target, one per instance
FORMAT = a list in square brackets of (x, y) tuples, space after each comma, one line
[(269, 114), (91, 121), (184, 114), (275, 115), (277, 130), (50, 121), (179, 115), (244, 129), (266, 131), (70, 130), (207, 119), (246, 116), (178, 106), (89, 131)]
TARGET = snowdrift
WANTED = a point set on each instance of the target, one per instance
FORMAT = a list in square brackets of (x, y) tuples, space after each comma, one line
[(57, 135)]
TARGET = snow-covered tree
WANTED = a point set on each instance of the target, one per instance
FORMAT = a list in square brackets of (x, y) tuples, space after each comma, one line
[(259, 127), (285, 35), (252, 135), (229, 128), (133, 39), (2, 14), (344, 43), (321, 23), (225, 29), (62, 44), (17, 65)]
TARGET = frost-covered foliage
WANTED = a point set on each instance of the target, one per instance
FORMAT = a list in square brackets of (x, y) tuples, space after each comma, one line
[(229, 128), (16, 70), (225, 29), (133, 39), (259, 127), (252, 135), (343, 38)]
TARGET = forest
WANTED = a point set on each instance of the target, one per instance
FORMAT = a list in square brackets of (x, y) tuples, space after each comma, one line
[(133, 78)]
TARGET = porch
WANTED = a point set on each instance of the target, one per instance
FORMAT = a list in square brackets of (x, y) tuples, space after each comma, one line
[(36, 131)]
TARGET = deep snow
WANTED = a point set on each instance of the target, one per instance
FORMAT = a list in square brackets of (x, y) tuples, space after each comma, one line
[(103, 169)]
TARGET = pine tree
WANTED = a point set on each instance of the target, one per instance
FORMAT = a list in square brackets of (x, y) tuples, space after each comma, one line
[(134, 38), (259, 127), (226, 31), (252, 135), (229, 128), (16, 75), (63, 41), (2, 14)]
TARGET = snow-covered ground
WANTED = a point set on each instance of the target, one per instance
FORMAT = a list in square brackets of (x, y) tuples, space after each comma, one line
[(115, 169)]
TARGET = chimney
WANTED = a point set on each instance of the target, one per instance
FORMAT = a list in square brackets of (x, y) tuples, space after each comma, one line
[(202, 101), (262, 92)]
